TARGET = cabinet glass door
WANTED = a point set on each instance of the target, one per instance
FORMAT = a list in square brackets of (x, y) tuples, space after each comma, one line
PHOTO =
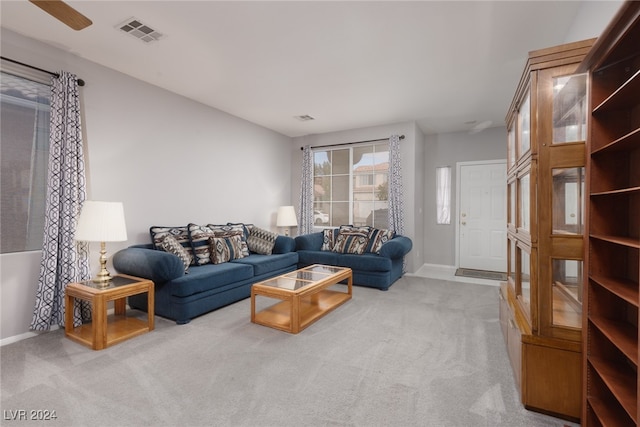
[(511, 148), (524, 127), (524, 208), (569, 108), (523, 287), (568, 200), (511, 220), (512, 261), (567, 293)]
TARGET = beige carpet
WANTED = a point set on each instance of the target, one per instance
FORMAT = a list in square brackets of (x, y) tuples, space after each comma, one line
[(427, 352)]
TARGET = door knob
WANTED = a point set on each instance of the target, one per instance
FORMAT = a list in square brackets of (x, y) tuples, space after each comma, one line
[(464, 223)]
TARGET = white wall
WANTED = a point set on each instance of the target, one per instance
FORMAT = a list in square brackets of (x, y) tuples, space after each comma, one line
[(170, 160), (592, 19), (411, 169), (447, 150)]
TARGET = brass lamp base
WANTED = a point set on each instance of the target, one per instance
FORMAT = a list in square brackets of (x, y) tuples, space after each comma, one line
[(103, 277)]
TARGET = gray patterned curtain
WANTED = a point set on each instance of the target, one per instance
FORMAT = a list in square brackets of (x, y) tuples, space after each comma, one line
[(63, 259), (396, 192), (305, 225)]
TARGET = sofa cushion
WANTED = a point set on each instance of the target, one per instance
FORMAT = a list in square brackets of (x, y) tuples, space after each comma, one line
[(264, 264), (328, 239), (365, 262), (171, 245), (210, 276), (232, 229), (306, 257), (180, 233), (377, 238), (261, 241), (199, 237), (284, 244), (352, 240), (225, 249), (308, 242), (156, 265)]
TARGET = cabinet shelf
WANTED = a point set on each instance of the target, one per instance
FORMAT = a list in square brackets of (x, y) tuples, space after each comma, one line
[(624, 97), (619, 379), (622, 335), (629, 190), (624, 289), (624, 143), (618, 240), (607, 414)]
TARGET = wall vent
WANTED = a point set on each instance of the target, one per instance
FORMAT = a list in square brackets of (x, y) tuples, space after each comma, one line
[(304, 118), (139, 30)]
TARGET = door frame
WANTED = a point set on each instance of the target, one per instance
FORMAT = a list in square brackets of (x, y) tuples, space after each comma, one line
[(459, 165)]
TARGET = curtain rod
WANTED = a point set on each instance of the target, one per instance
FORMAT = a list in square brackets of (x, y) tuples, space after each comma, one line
[(80, 81), (351, 143)]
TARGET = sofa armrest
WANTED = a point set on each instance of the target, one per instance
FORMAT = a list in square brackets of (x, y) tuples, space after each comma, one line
[(152, 264), (284, 244), (309, 242), (397, 247)]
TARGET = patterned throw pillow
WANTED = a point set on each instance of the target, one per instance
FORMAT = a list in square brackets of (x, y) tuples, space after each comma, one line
[(261, 241), (328, 239), (352, 240), (232, 230), (377, 238), (199, 237), (171, 245), (181, 234), (224, 249)]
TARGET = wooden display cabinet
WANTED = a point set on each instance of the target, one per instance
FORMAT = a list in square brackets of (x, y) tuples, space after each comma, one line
[(541, 302), (610, 395)]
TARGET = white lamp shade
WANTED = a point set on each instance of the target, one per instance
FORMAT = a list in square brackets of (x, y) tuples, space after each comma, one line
[(101, 222), (286, 217)]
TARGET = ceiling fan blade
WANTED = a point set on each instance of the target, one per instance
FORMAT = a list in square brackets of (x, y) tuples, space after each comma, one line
[(64, 13)]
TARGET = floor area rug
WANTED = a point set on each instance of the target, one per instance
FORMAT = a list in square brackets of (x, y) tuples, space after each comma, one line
[(481, 274)]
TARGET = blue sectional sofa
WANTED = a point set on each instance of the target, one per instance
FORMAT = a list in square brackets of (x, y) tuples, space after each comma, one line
[(375, 269), (182, 295)]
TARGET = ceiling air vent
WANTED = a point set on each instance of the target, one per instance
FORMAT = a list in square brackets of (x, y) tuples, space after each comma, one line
[(304, 118), (139, 30)]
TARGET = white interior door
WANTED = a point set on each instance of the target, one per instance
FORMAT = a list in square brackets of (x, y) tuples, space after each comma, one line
[(482, 215)]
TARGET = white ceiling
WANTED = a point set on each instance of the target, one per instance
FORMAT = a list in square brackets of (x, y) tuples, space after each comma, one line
[(349, 64)]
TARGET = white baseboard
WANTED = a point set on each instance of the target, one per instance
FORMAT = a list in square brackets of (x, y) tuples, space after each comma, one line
[(20, 337)]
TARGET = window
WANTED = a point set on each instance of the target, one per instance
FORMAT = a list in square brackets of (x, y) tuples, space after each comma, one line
[(443, 195), (24, 154), (351, 185)]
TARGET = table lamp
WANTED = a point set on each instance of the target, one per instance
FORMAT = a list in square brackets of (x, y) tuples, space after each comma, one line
[(286, 218), (101, 222)]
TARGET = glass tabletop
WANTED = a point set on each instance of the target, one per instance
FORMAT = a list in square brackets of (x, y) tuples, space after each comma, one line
[(115, 282), (304, 277)]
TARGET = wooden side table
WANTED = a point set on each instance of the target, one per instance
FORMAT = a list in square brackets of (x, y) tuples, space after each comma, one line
[(104, 331)]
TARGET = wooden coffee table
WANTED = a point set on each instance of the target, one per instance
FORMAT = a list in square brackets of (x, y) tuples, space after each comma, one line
[(305, 297)]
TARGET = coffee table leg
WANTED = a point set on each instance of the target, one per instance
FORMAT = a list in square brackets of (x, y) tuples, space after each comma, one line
[(253, 306), (295, 314), (151, 307)]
